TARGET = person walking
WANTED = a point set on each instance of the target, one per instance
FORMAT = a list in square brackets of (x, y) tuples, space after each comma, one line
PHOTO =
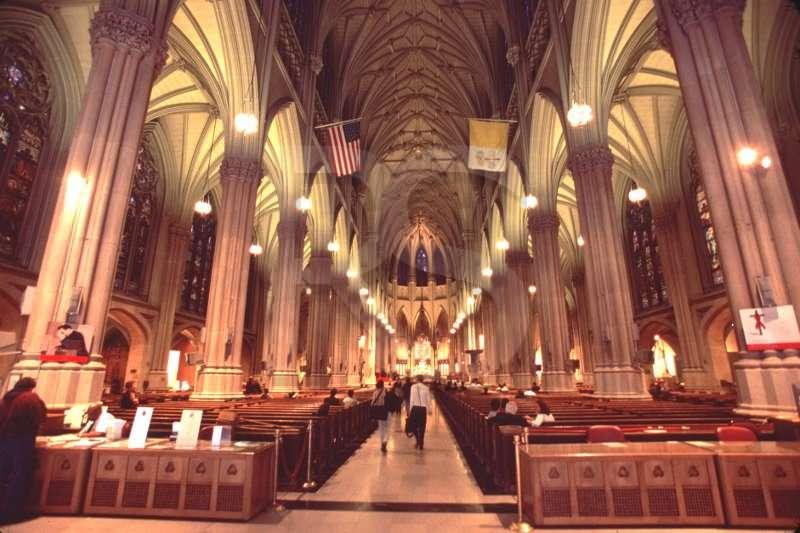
[(420, 404), (407, 395), (378, 411), (22, 411)]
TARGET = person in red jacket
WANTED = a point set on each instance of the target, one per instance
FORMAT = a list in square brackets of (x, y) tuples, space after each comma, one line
[(21, 414)]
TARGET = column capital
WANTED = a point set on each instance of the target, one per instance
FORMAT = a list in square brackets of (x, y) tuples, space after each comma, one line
[(663, 39), (544, 222), (512, 55), (240, 169), (121, 28), (689, 12), (586, 158), (315, 62)]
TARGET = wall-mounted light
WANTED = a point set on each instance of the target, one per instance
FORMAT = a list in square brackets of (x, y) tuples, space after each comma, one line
[(351, 274), (202, 207), (579, 114), (503, 245), (477, 290), (581, 240), (532, 289), (487, 272), (363, 291), (246, 123), (256, 249), (637, 194), (333, 246), (529, 202), (303, 203)]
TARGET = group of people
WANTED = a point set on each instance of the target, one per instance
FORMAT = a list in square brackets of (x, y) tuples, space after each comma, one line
[(503, 412), (414, 399)]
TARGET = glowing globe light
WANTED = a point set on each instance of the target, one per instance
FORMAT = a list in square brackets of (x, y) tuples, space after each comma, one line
[(487, 272), (363, 291), (351, 274), (308, 290), (452, 331), (246, 123), (579, 114), (747, 156), (303, 204), (581, 240), (502, 244), (766, 162), (256, 249), (530, 202), (202, 207), (637, 194), (333, 246), (532, 289), (477, 290)]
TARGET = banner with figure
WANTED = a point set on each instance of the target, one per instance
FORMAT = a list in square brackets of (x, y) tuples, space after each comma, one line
[(770, 328), (488, 143)]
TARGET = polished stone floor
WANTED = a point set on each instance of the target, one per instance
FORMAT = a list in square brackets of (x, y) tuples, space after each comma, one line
[(404, 490)]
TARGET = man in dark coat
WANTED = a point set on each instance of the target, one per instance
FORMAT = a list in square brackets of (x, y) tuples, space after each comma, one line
[(21, 414)]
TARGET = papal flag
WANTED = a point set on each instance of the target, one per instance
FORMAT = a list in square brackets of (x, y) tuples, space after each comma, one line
[(488, 141)]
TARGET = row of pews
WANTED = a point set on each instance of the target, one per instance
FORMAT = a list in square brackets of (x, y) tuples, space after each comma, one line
[(490, 448), (314, 442)]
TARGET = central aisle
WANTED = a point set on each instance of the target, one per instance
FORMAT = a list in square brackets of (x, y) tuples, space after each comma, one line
[(437, 475)]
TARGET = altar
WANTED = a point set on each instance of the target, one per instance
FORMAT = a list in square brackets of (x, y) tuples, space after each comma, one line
[(422, 357)]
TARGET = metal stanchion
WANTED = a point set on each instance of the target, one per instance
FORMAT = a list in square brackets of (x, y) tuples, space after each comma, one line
[(310, 484), (520, 524), (278, 507)]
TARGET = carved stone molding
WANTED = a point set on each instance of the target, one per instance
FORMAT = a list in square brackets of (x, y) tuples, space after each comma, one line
[(121, 28), (589, 158), (315, 62), (663, 39), (233, 168), (545, 222), (512, 55)]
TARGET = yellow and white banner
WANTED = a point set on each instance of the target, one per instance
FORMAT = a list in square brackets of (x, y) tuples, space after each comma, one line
[(488, 141)]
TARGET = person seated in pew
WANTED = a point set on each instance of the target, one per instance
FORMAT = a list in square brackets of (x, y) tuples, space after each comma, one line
[(544, 414), (494, 408), (332, 399), (509, 416), (129, 399), (252, 386), (350, 400)]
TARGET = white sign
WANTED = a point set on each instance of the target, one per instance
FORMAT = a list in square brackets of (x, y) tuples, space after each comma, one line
[(221, 436), (770, 328), (141, 425), (189, 430)]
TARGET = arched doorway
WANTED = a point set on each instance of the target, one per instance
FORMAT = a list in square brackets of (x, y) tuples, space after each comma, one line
[(115, 356)]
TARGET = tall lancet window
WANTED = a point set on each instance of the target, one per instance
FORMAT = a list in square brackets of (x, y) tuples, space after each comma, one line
[(421, 264), (24, 117), (650, 290), (403, 268), (197, 276), (709, 252), (134, 248), (439, 270)]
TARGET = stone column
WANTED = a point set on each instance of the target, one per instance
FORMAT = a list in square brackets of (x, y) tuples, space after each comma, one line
[(517, 304), (320, 321), (339, 336), (502, 342), (126, 57), (671, 251), (556, 377), (754, 221), (286, 303), (354, 332), (582, 313), (612, 314), (221, 375), (178, 240)]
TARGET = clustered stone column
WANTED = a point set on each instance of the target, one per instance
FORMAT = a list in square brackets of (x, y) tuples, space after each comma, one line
[(221, 374), (584, 338), (501, 342), (178, 240), (556, 377), (81, 252), (693, 372), (340, 334), (354, 334), (607, 277), (517, 303), (320, 321), (286, 304), (754, 221)]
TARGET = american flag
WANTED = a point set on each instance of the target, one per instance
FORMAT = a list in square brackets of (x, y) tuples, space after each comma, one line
[(344, 148)]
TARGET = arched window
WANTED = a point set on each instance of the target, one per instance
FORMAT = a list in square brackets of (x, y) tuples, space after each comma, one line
[(403, 269), (197, 277), (439, 270), (648, 279), (24, 116), (134, 248), (712, 266), (421, 264)]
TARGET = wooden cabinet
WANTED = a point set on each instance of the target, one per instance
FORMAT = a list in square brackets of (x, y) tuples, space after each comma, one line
[(231, 482)]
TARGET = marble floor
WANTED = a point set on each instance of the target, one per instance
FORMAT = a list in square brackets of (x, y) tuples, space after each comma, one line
[(403, 490)]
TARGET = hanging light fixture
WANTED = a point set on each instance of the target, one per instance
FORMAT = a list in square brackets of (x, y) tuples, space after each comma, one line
[(351, 274), (308, 290), (202, 206), (487, 272), (581, 240), (333, 246), (246, 123), (766, 162), (532, 289), (529, 202), (637, 194), (579, 114), (502, 245), (452, 331), (256, 249), (477, 290), (303, 203), (363, 291), (747, 156)]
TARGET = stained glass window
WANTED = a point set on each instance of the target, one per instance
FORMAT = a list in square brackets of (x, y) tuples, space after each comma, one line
[(421, 263), (134, 248), (440, 274), (24, 116), (710, 252), (650, 290), (403, 269), (197, 276)]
